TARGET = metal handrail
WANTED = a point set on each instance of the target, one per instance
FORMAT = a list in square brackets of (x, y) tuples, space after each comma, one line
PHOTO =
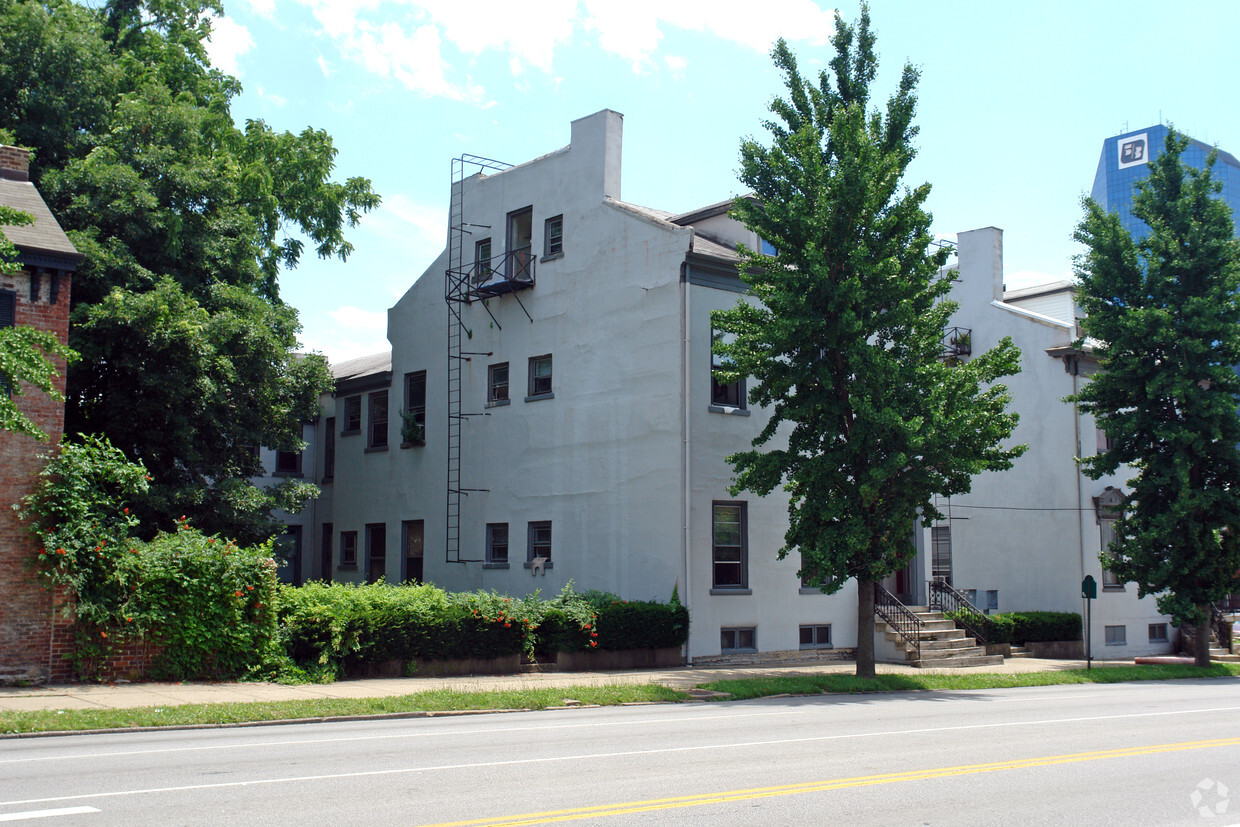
[(943, 598), (896, 615)]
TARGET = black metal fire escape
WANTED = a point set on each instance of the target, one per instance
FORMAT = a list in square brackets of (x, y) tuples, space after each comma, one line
[(457, 287)]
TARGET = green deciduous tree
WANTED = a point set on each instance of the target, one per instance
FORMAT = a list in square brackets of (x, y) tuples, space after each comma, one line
[(25, 353), (845, 336), (1165, 311), (185, 220)]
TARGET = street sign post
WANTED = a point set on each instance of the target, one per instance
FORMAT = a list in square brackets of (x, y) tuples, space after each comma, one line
[(1089, 591)]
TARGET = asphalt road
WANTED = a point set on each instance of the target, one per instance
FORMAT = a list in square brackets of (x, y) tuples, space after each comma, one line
[(1158, 753)]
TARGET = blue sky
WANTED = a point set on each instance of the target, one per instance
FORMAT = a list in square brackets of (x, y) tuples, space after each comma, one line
[(1015, 101)]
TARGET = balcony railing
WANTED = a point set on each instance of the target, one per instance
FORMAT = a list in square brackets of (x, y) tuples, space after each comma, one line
[(957, 343), (509, 271)]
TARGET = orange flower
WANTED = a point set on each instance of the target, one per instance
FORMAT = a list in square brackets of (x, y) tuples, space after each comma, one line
[(60, 551)]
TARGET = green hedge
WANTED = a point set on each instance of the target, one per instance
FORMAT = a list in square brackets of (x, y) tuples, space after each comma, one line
[(1029, 627), (336, 627), (339, 625)]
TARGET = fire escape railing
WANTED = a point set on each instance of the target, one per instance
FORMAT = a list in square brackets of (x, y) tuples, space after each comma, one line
[(943, 598), (957, 343), (896, 615)]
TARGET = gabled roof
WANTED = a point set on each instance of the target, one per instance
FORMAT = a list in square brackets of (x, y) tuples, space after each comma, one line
[(42, 238)]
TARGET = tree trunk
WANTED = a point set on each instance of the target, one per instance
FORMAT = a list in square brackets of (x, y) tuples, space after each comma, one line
[(865, 629), (1201, 644)]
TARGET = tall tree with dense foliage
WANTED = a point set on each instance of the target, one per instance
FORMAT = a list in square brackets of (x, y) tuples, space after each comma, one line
[(844, 332), (186, 221), (1166, 316), (25, 353)]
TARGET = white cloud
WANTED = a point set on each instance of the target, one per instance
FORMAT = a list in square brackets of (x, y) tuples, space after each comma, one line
[(263, 8), (422, 226), (406, 39), (229, 41), (271, 97), (633, 29), (355, 318), (325, 67), (676, 63)]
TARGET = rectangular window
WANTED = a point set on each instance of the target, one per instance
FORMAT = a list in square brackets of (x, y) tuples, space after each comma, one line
[(325, 554), (413, 415), (376, 552), (288, 463), (724, 394), (941, 554), (352, 415), (482, 262), (539, 540), (1158, 633), (540, 376), (809, 576), (553, 241), (329, 450), (8, 318), (1103, 441), (378, 420), (497, 383), (1117, 635), (348, 549), (288, 547), (497, 543), (520, 239), (728, 546), (738, 640), (1106, 532), (415, 395), (413, 539), (816, 637)]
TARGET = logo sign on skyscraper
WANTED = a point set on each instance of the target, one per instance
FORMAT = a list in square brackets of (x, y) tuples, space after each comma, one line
[(1133, 150)]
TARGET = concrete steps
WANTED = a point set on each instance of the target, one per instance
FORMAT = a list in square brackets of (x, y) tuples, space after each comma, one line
[(943, 645), (1019, 652)]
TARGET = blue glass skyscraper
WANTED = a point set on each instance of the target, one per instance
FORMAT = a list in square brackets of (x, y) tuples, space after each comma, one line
[(1125, 160)]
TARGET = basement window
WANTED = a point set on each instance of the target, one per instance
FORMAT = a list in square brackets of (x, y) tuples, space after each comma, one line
[(738, 640)]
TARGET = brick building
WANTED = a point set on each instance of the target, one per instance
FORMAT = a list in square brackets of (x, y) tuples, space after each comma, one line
[(32, 637)]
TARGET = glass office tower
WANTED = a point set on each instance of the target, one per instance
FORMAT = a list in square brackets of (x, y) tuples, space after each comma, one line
[(1125, 160)]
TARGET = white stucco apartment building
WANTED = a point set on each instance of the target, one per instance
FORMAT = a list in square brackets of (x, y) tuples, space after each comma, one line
[(572, 429)]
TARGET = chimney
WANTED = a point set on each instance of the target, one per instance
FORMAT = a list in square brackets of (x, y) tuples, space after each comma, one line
[(14, 163)]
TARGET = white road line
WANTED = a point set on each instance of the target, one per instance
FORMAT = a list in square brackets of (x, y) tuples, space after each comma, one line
[(455, 733), (605, 755), (63, 811)]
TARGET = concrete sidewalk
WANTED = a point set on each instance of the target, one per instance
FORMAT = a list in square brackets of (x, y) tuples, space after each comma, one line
[(125, 696)]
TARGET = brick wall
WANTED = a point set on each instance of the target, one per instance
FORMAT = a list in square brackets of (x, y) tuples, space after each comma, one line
[(33, 635)]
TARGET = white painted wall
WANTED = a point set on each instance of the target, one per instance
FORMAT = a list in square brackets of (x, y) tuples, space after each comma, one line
[(1030, 533)]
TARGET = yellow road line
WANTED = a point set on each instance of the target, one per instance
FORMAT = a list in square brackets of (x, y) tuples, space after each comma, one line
[(627, 808)]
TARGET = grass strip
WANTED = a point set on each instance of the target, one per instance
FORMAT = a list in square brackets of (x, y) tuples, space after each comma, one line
[(746, 688), (437, 700)]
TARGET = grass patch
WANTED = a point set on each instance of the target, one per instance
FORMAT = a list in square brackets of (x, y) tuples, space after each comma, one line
[(438, 700), (850, 684)]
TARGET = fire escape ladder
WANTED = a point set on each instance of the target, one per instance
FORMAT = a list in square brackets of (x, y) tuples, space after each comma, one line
[(457, 296)]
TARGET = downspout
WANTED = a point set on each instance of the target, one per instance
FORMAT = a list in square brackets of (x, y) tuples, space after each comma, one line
[(686, 594)]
